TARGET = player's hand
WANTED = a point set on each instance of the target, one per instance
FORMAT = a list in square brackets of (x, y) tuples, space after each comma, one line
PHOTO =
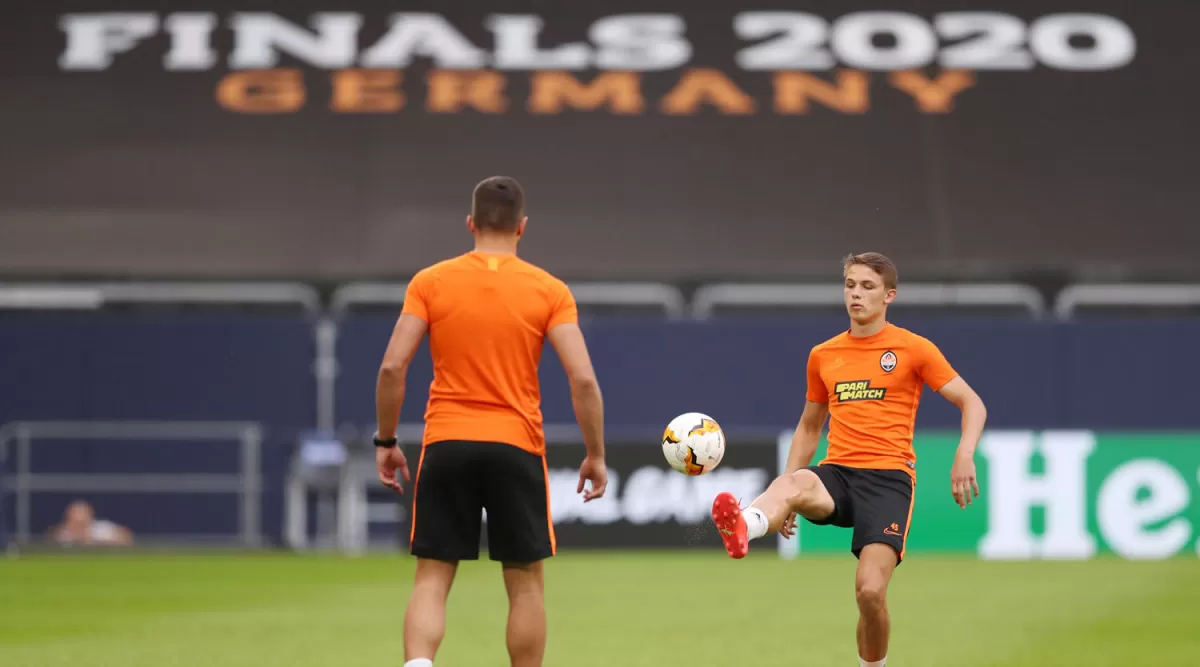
[(789, 527), (387, 461), (593, 470), (963, 483)]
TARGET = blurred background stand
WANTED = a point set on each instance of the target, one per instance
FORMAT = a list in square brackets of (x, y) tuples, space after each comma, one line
[(334, 500)]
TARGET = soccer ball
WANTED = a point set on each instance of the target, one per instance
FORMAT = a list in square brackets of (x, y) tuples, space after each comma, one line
[(693, 443)]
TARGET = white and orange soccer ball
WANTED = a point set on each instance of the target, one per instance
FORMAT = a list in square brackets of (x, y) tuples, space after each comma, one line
[(693, 443)]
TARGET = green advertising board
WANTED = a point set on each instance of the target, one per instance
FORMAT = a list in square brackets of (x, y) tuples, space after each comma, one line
[(1047, 495)]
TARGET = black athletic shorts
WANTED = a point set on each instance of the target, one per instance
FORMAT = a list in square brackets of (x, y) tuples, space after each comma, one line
[(458, 480), (877, 504)]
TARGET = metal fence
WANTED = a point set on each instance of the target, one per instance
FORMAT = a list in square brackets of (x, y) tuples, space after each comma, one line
[(246, 482)]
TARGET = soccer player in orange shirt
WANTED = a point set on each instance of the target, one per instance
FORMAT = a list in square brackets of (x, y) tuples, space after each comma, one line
[(868, 380), (487, 314)]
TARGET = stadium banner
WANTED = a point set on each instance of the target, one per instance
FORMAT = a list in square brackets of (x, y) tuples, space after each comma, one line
[(647, 504), (345, 136), (1063, 495)]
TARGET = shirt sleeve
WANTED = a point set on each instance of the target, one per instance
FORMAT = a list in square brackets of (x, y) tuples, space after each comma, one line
[(563, 309), (416, 297), (935, 370), (817, 392)]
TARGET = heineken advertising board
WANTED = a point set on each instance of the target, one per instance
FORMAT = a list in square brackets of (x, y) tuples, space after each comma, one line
[(1068, 495)]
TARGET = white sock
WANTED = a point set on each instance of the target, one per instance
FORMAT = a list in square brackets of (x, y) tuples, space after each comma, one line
[(864, 663), (756, 522), (419, 662)]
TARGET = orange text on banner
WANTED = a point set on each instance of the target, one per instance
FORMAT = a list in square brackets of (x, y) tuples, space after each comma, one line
[(551, 92), (937, 95), (452, 90), (793, 90), (700, 86), (262, 91), (367, 91)]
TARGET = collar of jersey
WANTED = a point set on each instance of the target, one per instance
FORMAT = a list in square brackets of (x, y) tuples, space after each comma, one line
[(887, 327)]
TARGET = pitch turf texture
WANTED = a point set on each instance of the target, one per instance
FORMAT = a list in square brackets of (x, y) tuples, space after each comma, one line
[(629, 609)]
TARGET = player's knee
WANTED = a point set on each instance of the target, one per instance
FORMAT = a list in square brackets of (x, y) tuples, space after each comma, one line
[(870, 592), (524, 580), (802, 487), (434, 575)]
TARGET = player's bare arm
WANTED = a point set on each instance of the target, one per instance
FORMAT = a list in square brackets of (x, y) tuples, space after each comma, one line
[(804, 447), (963, 483), (389, 396), (588, 402), (807, 435)]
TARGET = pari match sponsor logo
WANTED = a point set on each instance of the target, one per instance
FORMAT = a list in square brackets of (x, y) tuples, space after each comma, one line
[(858, 390), (780, 62)]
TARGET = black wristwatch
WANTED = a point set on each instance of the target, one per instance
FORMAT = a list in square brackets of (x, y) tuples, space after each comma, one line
[(386, 444)]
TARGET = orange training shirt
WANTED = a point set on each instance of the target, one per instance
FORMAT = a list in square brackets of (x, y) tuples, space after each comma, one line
[(488, 315), (873, 386)]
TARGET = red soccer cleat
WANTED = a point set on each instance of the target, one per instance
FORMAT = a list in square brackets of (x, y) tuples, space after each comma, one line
[(727, 515)]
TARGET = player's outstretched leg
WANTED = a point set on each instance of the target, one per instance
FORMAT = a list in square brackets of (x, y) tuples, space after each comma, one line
[(425, 617), (800, 493)]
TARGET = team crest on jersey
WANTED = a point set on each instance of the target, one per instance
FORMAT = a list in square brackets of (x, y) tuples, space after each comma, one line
[(888, 361), (858, 390)]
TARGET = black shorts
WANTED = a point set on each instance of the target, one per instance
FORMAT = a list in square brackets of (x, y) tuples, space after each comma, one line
[(458, 480), (877, 504)]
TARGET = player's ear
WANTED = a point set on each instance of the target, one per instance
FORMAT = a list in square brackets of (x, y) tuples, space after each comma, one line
[(889, 297), (470, 225), (521, 226)]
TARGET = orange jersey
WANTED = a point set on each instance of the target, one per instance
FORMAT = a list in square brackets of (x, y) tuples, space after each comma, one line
[(873, 386), (488, 316)]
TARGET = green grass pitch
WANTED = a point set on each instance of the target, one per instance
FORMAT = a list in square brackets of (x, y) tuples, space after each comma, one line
[(693, 608)]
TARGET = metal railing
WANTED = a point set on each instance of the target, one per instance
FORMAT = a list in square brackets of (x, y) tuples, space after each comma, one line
[(366, 294), (24, 482), (668, 298), (1169, 295), (98, 295), (709, 297)]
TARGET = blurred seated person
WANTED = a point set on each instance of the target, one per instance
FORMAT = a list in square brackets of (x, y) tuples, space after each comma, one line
[(81, 527)]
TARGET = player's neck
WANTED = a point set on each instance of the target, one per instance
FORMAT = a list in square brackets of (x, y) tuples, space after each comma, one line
[(867, 328), (496, 245)]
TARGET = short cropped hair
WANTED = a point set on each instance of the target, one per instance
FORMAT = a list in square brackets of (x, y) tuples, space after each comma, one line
[(498, 204), (877, 262)]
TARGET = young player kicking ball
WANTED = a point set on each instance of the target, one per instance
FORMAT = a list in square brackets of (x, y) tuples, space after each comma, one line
[(868, 380)]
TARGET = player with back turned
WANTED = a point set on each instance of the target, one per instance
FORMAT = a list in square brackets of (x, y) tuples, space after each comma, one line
[(488, 314), (868, 381)]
